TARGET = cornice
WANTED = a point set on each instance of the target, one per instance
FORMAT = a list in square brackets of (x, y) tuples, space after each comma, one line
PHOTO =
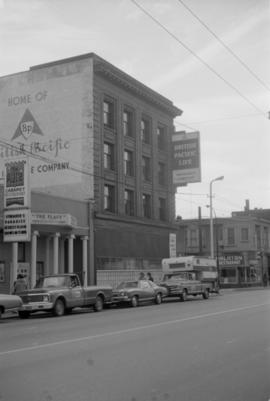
[(135, 87)]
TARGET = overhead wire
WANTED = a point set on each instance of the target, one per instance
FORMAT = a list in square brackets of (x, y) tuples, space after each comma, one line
[(225, 46), (198, 57)]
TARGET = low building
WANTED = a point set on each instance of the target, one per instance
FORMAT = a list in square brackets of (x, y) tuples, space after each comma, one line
[(99, 149), (241, 246)]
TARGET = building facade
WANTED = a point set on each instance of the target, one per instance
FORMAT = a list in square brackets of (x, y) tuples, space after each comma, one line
[(241, 246), (98, 144)]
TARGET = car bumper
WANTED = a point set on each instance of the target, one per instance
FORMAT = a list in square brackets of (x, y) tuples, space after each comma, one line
[(35, 306), (120, 299)]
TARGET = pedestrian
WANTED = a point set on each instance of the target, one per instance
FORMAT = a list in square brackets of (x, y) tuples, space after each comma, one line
[(20, 284), (142, 276), (149, 276)]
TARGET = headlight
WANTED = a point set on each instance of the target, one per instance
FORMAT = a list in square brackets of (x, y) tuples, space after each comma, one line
[(123, 294), (46, 298)]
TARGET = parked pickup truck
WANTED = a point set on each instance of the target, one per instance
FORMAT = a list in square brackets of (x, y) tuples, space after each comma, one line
[(183, 285), (61, 293)]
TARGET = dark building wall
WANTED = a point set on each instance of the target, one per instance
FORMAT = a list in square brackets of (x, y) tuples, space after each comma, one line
[(122, 98)]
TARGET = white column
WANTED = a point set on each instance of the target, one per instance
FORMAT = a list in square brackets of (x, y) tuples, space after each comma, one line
[(47, 256), (33, 277), (56, 253), (62, 256), (84, 259), (14, 271), (70, 253)]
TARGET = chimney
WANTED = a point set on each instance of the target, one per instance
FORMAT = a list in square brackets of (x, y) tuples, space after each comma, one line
[(247, 205)]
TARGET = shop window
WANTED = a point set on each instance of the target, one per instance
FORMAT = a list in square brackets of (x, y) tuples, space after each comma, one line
[(109, 198), (109, 156), (146, 169), (129, 202), (128, 163), (146, 203)]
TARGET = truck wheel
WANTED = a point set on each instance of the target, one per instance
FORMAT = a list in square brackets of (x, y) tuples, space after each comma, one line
[(205, 294), (158, 299), (134, 301), (59, 308), (183, 296), (24, 314), (98, 305)]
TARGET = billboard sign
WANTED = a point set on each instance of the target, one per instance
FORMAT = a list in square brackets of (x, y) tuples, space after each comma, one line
[(17, 225), (186, 158), (16, 183)]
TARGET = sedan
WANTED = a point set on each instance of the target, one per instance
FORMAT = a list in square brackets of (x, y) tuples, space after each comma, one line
[(134, 292), (9, 303)]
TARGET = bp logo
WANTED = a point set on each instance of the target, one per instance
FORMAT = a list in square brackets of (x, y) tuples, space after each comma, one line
[(27, 126)]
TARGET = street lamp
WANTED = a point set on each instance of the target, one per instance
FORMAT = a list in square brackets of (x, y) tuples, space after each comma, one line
[(211, 216)]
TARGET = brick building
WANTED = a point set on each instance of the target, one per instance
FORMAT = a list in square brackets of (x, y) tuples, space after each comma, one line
[(98, 144), (241, 245)]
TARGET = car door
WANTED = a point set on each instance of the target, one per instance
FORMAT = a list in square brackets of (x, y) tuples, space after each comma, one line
[(76, 292), (147, 291)]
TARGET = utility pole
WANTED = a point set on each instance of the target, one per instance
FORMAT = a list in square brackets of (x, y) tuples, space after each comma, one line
[(200, 229)]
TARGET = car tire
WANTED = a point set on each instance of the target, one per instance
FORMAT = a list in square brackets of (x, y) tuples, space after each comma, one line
[(205, 294), (24, 314), (98, 305), (158, 299), (59, 308), (134, 301), (1, 312), (184, 295)]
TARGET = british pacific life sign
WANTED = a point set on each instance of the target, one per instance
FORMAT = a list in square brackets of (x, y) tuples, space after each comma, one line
[(46, 114), (186, 158)]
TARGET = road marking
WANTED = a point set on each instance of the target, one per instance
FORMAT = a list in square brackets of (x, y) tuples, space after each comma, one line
[(124, 331)]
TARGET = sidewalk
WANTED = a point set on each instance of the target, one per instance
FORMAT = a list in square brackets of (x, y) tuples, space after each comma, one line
[(224, 290)]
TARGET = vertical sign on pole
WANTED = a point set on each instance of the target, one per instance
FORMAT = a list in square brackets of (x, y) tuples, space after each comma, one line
[(17, 214), (186, 158)]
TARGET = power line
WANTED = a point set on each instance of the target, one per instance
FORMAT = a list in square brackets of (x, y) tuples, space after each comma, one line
[(198, 57), (223, 119), (226, 46)]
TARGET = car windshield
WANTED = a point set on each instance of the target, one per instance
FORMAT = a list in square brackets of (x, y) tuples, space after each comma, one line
[(127, 284), (46, 282)]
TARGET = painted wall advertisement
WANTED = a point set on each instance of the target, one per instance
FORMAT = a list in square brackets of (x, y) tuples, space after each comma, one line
[(186, 158), (46, 115)]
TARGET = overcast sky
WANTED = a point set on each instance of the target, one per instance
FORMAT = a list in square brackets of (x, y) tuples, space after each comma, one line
[(174, 47)]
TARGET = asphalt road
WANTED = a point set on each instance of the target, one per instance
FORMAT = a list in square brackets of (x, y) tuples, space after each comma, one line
[(200, 350)]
